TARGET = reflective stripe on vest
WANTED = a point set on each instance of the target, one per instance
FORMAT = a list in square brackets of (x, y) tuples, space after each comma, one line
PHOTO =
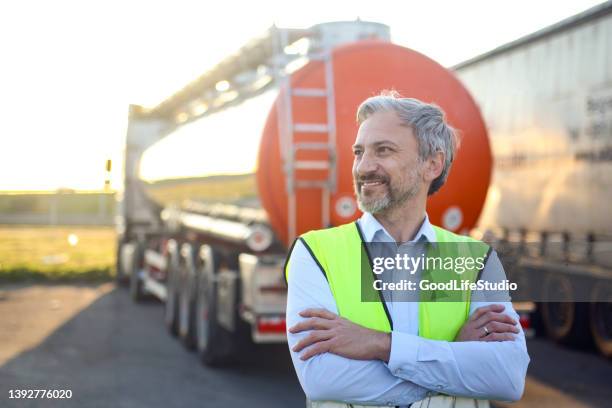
[(341, 255)]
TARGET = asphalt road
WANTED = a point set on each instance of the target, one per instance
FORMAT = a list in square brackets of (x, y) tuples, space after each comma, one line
[(111, 352)]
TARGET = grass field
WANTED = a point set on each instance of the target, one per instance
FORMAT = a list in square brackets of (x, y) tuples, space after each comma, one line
[(67, 202), (56, 253)]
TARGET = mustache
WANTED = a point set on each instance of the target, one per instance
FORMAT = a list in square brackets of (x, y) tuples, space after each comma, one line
[(371, 177)]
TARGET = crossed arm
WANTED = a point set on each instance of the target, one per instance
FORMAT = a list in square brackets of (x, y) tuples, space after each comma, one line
[(342, 361)]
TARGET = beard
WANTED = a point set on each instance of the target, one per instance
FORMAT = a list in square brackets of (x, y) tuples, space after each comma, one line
[(395, 194)]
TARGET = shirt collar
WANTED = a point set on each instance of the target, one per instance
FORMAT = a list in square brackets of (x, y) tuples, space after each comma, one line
[(370, 227)]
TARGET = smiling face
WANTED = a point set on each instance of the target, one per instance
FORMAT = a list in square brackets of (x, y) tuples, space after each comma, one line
[(387, 170)]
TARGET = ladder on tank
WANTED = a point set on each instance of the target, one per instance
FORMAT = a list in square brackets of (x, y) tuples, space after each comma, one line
[(287, 129)]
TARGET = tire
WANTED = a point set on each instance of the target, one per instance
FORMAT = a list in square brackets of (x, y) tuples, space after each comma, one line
[(564, 322), (172, 285), (216, 346), (187, 297), (536, 321), (601, 319), (136, 286), (120, 278)]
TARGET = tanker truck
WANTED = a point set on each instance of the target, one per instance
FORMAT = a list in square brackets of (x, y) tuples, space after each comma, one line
[(221, 177)]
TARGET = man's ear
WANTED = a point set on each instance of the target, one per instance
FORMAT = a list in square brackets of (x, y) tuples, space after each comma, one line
[(434, 165)]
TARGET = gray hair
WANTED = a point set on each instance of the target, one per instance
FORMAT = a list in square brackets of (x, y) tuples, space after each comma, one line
[(428, 123)]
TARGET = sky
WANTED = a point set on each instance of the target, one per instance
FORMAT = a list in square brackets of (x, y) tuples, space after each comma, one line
[(70, 69)]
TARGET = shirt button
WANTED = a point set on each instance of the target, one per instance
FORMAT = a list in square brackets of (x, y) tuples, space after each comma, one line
[(439, 386)]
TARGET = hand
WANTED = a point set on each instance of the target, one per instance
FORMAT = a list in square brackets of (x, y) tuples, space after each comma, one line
[(500, 326), (334, 334)]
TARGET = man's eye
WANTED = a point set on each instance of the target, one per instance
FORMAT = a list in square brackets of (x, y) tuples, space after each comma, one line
[(384, 149), (357, 152)]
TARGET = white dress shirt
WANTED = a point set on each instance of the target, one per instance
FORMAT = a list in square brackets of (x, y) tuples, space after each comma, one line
[(417, 366)]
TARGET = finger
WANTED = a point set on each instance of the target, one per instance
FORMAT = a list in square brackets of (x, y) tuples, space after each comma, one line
[(484, 309), (498, 337), (323, 313), (319, 348), (494, 317), (315, 323), (312, 338), (497, 327)]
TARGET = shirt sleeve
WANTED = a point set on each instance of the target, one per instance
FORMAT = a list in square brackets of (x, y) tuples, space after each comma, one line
[(328, 376), (478, 369)]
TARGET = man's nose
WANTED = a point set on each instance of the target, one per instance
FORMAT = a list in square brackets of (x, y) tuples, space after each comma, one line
[(367, 164)]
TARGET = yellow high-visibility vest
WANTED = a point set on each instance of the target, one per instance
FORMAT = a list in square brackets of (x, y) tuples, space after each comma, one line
[(344, 259)]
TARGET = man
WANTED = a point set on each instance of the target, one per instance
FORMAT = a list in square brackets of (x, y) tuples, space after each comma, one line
[(347, 351)]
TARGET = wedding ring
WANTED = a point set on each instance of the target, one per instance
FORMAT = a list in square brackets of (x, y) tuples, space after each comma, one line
[(485, 330)]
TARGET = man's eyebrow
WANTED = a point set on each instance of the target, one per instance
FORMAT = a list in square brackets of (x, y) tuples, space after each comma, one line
[(382, 142), (376, 144)]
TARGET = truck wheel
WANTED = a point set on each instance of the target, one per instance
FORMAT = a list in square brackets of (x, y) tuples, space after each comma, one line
[(172, 281), (215, 345), (136, 286), (601, 319), (187, 305), (564, 322), (120, 277)]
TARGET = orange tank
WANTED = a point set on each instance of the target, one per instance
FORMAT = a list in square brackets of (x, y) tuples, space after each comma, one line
[(361, 70)]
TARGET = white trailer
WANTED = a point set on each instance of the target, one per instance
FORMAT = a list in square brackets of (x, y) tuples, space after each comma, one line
[(547, 102)]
